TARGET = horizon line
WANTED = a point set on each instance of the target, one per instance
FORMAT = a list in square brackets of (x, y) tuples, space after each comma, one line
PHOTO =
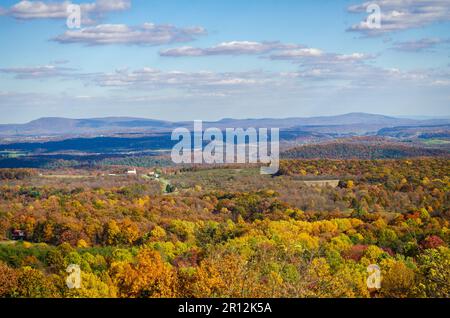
[(411, 117)]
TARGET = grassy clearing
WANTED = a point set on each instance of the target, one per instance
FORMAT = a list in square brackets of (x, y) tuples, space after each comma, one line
[(66, 176), (214, 178)]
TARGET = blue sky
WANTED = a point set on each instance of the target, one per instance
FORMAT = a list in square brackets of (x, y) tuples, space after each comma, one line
[(211, 59)]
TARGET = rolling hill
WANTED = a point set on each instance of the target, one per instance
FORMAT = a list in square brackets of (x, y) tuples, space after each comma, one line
[(362, 151)]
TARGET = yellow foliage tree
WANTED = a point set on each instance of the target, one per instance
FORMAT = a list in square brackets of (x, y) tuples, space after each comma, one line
[(149, 277)]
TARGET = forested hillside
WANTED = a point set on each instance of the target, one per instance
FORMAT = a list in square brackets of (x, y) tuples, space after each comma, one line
[(229, 232), (361, 151)]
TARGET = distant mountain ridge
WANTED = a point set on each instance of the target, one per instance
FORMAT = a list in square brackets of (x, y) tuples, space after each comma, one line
[(56, 126), (356, 123)]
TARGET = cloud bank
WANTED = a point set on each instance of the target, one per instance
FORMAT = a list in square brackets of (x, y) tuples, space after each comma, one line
[(421, 45), (228, 48), (31, 10), (38, 72), (398, 15), (145, 34)]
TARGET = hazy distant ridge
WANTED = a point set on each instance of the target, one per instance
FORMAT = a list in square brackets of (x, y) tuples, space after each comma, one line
[(358, 123)]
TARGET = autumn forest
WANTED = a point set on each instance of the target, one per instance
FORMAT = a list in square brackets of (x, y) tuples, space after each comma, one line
[(312, 230)]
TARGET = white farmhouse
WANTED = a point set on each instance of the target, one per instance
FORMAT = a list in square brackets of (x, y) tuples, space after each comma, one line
[(132, 172)]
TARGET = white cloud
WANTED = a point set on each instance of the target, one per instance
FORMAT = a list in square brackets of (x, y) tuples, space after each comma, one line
[(316, 68), (146, 78), (363, 76), (112, 5), (346, 73), (297, 54), (339, 86), (419, 45), (228, 48), (313, 56), (145, 34), (344, 70), (352, 57), (183, 51), (35, 72), (441, 83), (38, 10), (399, 15), (26, 10), (310, 58)]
